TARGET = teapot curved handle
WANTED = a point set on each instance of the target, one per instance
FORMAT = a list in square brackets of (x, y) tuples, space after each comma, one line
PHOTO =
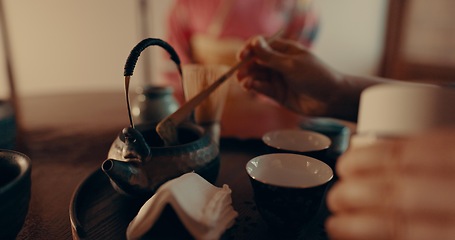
[(141, 46), (132, 60)]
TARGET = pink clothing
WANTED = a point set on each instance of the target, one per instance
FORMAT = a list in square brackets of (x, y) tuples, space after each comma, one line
[(224, 26), (244, 19)]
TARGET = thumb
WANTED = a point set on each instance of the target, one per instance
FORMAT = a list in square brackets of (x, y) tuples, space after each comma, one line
[(265, 55)]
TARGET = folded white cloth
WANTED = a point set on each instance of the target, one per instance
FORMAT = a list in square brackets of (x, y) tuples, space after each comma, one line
[(205, 210)]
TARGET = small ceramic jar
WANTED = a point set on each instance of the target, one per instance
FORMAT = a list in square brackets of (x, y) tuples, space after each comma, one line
[(154, 103)]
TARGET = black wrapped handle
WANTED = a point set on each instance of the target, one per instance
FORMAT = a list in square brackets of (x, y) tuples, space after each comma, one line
[(141, 46)]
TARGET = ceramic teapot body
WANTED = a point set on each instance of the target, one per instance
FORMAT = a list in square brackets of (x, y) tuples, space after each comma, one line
[(138, 163)]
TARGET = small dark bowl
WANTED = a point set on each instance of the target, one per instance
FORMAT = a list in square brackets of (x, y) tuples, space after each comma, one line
[(297, 141), (15, 190), (288, 189), (332, 128)]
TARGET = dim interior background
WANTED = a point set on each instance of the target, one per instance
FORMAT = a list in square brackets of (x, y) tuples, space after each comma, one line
[(63, 46)]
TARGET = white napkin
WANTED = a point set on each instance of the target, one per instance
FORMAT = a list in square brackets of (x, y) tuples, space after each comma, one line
[(205, 210)]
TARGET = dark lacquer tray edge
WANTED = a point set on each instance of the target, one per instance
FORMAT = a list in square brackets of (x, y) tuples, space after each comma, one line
[(76, 227)]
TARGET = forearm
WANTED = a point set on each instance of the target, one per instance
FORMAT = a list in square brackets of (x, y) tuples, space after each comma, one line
[(345, 103)]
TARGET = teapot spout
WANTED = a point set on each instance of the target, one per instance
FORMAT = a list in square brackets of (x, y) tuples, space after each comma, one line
[(127, 177)]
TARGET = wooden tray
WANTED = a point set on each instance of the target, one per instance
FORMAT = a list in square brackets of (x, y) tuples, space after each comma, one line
[(98, 212)]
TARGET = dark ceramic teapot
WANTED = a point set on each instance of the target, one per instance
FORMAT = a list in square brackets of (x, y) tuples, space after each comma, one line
[(138, 162)]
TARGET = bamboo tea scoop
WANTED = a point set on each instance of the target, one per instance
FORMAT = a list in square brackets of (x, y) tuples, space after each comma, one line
[(167, 128)]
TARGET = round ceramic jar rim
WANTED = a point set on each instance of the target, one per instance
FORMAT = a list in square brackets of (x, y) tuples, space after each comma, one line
[(297, 156), (24, 164)]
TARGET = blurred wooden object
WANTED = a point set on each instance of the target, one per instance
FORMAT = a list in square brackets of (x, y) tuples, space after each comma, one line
[(13, 98), (420, 41)]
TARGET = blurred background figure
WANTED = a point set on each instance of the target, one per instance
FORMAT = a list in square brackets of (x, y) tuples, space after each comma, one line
[(213, 31)]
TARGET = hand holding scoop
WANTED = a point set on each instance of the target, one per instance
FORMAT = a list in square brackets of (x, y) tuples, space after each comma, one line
[(167, 128)]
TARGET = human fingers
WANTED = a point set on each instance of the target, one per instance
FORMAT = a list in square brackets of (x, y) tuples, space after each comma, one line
[(357, 226), (265, 82), (405, 193), (265, 55), (266, 88), (280, 45), (247, 83), (358, 194), (430, 153), (375, 226), (250, 69), (287, 46), (427, 153), (376, 157), (246, 49)]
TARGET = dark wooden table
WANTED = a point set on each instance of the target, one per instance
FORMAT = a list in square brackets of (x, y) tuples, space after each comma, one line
[(68, 136)]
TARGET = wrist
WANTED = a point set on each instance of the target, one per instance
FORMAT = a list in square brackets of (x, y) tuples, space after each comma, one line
[(345, 97)]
